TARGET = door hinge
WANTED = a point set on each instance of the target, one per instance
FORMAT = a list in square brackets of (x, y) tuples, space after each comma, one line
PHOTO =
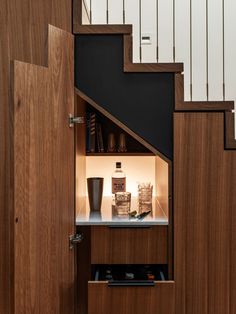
[(75, 239), (75, 120)]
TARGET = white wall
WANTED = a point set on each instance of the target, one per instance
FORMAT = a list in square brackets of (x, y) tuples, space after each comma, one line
[(200, 33)]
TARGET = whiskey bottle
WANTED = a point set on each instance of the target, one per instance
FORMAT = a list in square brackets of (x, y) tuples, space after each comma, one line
[(118, 180)]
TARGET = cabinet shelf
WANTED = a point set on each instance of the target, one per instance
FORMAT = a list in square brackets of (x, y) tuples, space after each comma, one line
[(121, 154)]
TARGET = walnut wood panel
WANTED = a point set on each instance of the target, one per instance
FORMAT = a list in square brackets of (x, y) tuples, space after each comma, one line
[(204, 202), (129, 245), (83, 270), (80, 155), (23, 33), (131, 300), (102, 29), (44, 181), (230, 141)]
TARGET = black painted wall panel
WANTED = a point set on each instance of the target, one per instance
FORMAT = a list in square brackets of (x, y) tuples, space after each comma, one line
[(142, 101)]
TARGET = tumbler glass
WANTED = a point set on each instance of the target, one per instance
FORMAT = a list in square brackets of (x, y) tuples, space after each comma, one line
[(122, 202)]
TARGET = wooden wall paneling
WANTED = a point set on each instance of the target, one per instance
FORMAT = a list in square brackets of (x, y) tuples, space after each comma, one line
[(132, 17), (182, 41), (204, 176), (199, 62), (215, 50), (149, 27), (231, 169), (131, 300), (20, 39), (115, 12), (84, 269), (165, 30), (80, 155), (129, 245), (44, 181), (99, 11), (5, 176)]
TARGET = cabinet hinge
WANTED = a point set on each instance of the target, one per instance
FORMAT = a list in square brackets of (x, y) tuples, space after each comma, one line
[(75, 239), (75, 120)]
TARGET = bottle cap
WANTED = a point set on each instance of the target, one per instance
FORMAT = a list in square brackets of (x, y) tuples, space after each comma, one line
[(118, 164)]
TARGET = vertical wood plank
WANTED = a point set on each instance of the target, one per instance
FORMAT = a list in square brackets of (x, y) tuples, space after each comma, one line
[(149, 26), (165, 30), (132, 17), (44, 181), (199, 62), (182, 41), (204, 176), (21, 39), (99, 11), (215, 49), (115, 9)]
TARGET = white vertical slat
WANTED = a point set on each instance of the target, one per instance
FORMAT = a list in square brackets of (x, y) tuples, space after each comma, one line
[(132, 17), (149, 26), (99, 11), (182, 41), (230, 49), (215, 49), (85, 12), (115, 9), (87, 4), (199, 62), (165, 30)]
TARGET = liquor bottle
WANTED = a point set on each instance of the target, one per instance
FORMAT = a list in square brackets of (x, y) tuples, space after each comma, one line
[(118, 180)]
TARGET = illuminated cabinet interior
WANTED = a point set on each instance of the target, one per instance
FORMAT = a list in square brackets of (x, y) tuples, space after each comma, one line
[(141, 163)]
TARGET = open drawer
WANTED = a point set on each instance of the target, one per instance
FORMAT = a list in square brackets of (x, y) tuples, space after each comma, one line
[(131, 298), (131, 289), (129, 244)]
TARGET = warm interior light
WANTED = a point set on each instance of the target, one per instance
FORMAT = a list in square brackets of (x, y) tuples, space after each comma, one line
[(136, 168)]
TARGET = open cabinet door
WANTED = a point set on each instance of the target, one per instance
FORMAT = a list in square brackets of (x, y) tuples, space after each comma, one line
[(43, 184)]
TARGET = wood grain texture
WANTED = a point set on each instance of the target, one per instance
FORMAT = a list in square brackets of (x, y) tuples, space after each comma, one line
[(83, 270), (129, 245), (204, 203), (44, 181), (80, 155), (230, 141), (102, 29), (23, 33), (131, 300)]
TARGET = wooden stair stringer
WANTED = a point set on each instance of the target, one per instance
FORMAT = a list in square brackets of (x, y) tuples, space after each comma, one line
[(207, 106)]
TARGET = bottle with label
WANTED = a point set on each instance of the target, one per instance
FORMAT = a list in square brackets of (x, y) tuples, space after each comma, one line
[(118, 180)]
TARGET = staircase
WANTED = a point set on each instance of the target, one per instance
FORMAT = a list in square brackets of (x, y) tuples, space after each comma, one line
[(96, 87)]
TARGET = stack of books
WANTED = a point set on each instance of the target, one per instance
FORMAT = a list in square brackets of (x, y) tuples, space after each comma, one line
[(94, 138)]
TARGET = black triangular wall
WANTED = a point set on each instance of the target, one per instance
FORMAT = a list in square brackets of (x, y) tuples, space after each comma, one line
[(144, 102)]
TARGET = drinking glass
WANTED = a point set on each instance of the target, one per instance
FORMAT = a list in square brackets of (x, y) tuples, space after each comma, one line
[(122, 202)]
